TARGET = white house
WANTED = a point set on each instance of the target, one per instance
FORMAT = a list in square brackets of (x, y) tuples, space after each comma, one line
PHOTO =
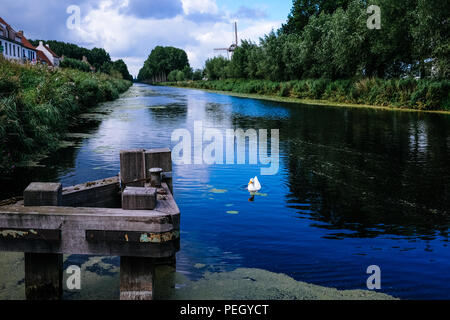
[(28, 50), (10, 42), (14, 46), (53, 57)]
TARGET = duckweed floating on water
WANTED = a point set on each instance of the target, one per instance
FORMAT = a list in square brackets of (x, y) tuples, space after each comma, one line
[(261, 194), (263, 285), (157, 107), (66, 144), (78, 135), (214, 190), (103, 149)]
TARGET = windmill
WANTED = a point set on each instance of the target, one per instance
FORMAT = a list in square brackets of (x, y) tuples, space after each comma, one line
[(233, 46)]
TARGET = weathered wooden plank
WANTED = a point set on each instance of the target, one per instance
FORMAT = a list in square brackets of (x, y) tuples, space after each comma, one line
[(158, 158), (30, 234), (43, 194), (131, 236), (136, 278), (153, 250), (13, 217), (137, 198), (132, 167), (104, 193), (43, 276), (165, 201)]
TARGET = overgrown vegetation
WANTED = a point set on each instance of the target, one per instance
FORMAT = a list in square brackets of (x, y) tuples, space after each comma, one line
[(37, 104), (97, 57), (329, 39), (75, 64), (404, 93)]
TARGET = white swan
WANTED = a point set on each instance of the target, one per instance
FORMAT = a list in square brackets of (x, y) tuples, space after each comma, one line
[(254, 185)]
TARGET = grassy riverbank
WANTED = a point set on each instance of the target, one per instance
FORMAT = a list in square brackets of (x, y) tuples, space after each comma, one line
[(401, 93), (37, 104)]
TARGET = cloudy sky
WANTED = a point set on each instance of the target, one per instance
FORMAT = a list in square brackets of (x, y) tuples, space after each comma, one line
[(130, 29)]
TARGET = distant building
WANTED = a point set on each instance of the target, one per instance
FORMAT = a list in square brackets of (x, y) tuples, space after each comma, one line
[(14, 46), (28, 51), (51, 56)]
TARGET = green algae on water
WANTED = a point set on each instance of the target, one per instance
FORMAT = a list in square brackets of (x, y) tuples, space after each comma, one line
[(254, 284)]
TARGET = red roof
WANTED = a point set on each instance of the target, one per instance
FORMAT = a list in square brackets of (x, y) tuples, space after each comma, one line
[(49, 50), (43, 58), (27, 43), (3, 22)]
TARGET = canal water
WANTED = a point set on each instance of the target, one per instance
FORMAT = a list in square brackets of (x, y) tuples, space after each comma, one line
[(355, 187)]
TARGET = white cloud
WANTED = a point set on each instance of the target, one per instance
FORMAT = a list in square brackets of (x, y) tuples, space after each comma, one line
[(199, 6), (132, 38)]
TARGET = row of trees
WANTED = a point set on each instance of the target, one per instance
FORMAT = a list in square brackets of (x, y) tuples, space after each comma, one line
[(186, 74), (162, 61), (330, 39), (97, 57)]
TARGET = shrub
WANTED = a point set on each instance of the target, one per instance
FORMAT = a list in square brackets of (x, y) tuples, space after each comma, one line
[(37, 104), (75, 64), (403, 93)]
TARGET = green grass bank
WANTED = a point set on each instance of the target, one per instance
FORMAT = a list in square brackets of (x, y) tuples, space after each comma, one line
[(425, 95), (37, 105)]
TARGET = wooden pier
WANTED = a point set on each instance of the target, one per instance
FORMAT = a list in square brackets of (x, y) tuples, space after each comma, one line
[(133, 216)]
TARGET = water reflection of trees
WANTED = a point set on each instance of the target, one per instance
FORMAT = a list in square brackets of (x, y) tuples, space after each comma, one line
[(360, 170), (368, 171)]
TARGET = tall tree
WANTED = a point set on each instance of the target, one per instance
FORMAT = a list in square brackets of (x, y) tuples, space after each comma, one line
[(431, 36), (217, 68), (302, 10)]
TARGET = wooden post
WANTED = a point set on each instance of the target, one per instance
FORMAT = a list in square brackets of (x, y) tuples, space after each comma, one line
[(135, 198), (43, 271), (159, 158), (136, 273), (43, 276), (136, 278), (135, 165), (132, 167), (43, 194)]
